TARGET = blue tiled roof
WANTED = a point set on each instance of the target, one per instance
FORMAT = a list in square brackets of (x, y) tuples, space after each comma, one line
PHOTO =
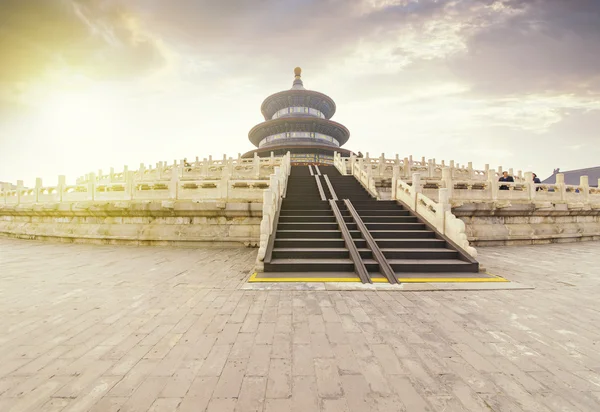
[(572, 176)]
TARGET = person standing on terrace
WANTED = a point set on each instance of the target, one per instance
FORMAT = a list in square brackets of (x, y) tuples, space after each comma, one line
[(505, 178)]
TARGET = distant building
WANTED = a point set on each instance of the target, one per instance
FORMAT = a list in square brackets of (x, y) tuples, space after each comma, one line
[(572, 176)]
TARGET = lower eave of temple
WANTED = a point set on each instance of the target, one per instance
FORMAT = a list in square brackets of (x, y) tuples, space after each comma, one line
[(282, 150)]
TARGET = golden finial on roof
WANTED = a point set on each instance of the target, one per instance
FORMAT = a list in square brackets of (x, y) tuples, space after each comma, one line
[(298, 71)]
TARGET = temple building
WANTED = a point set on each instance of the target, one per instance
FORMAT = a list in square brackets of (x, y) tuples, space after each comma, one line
[(298, 121)]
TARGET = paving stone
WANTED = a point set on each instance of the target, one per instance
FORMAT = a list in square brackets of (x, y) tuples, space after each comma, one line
[(252, 394), (109, 329), (279, 384), (328, 379), (304, 394), (258, 364)]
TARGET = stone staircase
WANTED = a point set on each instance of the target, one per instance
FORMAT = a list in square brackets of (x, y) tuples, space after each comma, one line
[(309, 241)]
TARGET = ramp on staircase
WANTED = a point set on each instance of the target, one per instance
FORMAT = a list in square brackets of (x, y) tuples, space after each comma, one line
[(330, 229)]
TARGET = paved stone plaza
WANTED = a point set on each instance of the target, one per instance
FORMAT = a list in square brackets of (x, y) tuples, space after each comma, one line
[(117, 328)]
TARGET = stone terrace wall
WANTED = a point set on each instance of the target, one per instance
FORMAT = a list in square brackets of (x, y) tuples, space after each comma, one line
[(151, 222), (489, 224)]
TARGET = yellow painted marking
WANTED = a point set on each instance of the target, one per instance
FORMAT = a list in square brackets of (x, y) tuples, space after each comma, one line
[(495, 278)]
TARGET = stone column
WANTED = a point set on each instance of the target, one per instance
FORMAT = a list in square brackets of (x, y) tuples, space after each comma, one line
[(470, 169)]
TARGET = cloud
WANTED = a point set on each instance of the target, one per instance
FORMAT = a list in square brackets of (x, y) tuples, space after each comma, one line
[(549, 46), (99, 39)]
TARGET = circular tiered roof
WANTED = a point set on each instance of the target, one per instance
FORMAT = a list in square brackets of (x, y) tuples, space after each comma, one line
[(299, 120)]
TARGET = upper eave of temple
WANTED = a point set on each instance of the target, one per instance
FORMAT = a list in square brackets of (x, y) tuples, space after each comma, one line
[(298, 98)]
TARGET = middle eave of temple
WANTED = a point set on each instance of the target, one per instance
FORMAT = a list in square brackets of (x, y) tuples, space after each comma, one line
[(299, 124)]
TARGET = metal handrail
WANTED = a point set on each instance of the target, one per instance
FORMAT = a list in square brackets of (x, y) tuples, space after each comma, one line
[(330, 186), (359, 265), (378, 255), (321, 192)]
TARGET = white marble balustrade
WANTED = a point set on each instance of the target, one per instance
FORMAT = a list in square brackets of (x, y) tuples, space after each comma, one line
[(235, 179), (272, 199), (381, 167)]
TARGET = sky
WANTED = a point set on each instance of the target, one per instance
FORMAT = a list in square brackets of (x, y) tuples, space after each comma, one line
[(93, 84)]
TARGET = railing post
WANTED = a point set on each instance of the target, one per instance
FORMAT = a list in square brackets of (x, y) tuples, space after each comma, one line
[(256, 166), (560, 183), (129, 189), (38, 188), (492, 181), (174, 182), (416, 189), (4, 191), (20, 187), (406, 168), (205, 168), (142, 171), (529, 185), (584, 184), (443, 206), (352, 161), (62, 182), (395, 173), (447, 180), (91, 189)]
